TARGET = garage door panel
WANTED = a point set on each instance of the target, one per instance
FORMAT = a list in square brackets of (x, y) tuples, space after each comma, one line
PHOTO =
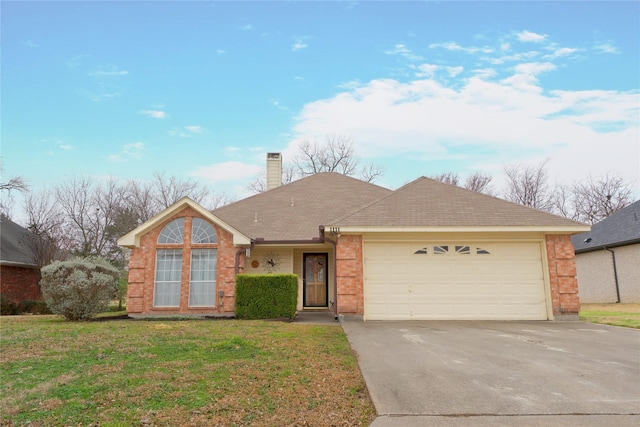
[(505, 281)]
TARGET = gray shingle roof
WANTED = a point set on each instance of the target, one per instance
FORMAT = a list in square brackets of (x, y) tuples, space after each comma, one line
[(619, 229), (14, 244), (426, 202), (296, 210)]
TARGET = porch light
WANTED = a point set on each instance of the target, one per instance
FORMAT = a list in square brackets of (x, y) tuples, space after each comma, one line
[(335, 231)]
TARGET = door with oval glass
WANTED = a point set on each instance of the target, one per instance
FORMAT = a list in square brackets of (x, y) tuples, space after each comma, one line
[(315, 280)]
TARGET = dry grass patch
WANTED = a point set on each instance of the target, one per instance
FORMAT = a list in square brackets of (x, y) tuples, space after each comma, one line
[(190, 372), (627, 315)]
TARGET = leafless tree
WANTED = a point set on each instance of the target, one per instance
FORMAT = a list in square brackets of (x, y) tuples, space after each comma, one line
[(169, 190), (14, 183), (48, 240), (334, 154), (90, 207), (594, 199), (140, 197), (528, 186), (479, 183), (448, 178)]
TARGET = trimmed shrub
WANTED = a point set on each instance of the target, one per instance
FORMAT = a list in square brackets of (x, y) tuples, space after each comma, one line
[(80, 288), (266, 296), (8, 307)]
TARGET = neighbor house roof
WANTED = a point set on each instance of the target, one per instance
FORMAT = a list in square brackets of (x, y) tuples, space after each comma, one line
[(296, 210), (619, 229), (427, 203), (14, 244)]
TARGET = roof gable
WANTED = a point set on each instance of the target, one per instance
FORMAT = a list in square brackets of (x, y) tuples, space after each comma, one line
[(619, 229), (295, 211), (429, 203), (132, 239)]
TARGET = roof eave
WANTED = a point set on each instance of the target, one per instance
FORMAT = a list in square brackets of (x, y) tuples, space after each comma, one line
[(549, 229), (18, 264), (609, 246), (132, 239)]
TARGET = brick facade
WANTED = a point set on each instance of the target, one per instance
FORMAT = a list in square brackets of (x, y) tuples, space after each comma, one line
[(350, 275), (19, 284), (142, 271), (562, 275)]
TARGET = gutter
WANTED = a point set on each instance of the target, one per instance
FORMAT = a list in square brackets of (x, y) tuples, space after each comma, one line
[(615, 272)]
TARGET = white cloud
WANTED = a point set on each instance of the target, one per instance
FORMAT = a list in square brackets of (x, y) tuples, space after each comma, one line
[(221, 51), (455, 47), (427, 70), (156, 114), (454, 71), (606, 47), (528, 36), (247, 27), (560, 52), (298, 45), (112, 73), (76, 61), (133, 151), (402, 50), (66, 147), (187, 131), (195, 129), (30, 43), (484, 121), (227, 171)]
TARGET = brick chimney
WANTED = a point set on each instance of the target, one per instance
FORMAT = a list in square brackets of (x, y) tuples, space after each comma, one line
[(274, 170)]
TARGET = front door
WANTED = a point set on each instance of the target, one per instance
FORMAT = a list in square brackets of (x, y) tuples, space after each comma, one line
[(315, 280)]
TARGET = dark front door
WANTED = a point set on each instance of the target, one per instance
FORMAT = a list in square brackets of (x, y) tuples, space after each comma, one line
[(315, 280)]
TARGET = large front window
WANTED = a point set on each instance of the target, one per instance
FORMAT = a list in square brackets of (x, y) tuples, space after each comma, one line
[(172, 284), (202, 287), (168, 278)]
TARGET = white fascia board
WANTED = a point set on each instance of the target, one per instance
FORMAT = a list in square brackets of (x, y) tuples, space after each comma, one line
[(132, 239), (470, 229)]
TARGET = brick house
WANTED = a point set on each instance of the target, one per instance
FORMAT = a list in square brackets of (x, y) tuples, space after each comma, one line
[(427, 250), (608, 258), (19, 270)]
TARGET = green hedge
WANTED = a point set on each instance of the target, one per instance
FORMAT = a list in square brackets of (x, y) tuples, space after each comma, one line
[(266, 296)]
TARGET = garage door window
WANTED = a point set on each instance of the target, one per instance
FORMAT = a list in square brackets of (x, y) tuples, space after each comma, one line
[(459, 250)]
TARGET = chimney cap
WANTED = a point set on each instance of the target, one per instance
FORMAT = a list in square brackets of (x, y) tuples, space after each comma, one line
[(273, 155)]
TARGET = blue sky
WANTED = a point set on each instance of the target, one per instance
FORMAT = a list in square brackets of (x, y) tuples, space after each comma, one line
[(205, 89)]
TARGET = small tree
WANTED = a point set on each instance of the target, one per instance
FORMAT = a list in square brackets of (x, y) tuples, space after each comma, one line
[(80, 288)]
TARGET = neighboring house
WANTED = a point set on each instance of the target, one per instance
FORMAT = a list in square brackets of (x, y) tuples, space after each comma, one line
[(19, 270), (427, 250), (608, 258)]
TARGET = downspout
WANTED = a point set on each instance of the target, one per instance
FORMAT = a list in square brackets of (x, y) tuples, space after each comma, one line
[(334, 270), (239, 252), (615, 273)]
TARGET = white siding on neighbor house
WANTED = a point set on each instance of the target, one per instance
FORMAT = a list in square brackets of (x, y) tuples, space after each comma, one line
[(596, 279), (506, 283)]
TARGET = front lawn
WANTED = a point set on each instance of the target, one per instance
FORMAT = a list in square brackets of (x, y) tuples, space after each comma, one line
[(172, 373), (627, 315)]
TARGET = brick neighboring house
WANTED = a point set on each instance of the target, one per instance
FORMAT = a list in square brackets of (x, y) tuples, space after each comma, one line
[(19, 270), (608, 258), (427, 250)]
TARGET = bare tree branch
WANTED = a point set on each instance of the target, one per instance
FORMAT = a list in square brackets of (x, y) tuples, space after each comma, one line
[(447, 178), (479, 183), (527, 185)]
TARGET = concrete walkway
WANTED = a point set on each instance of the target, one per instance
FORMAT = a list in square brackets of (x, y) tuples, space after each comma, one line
[(499, 373), (316, 317)]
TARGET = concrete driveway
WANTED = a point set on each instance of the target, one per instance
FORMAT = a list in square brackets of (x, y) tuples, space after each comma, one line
[(424, 373)]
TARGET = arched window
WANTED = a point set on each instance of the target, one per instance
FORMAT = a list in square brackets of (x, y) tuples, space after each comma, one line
[(203, 232), (172, 232), (169, 277)]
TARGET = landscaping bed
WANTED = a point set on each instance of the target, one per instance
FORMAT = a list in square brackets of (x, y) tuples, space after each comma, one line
[(189, 372)]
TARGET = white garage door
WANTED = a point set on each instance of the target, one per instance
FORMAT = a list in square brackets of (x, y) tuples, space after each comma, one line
[(445, 280)]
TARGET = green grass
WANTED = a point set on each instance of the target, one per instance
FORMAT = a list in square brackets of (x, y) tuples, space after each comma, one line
[(195, 372), (627, 315)]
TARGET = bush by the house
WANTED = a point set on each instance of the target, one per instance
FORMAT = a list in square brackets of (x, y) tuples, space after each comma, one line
[(8, 307), (80, 288), (266, 296)]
